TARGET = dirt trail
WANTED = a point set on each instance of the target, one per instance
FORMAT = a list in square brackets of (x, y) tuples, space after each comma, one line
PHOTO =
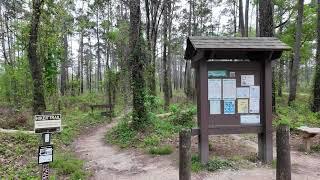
[(111, 163)]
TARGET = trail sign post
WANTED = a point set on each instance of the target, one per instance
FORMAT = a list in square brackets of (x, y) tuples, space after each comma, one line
[(234, 88), (46, 124)]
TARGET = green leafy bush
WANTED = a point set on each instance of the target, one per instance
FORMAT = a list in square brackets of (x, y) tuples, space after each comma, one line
[(212, 165), (122, 134), (296, 115), (154, 103), (217, 164), (182, 117)]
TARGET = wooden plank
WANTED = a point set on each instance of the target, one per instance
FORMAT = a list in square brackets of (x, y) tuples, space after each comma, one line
[(309, 130)]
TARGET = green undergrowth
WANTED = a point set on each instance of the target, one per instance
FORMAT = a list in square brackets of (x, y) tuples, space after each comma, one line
[(214, 164), (18, 151), (220, 163), (315, 148), (155, 138), (297, 114)]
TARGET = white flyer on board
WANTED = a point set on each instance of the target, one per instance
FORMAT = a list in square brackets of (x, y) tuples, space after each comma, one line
[(247, 80), (214, 89), (229, 89), (243, 92), (215, 107), (254, 105), (255, 92), (250, 119)]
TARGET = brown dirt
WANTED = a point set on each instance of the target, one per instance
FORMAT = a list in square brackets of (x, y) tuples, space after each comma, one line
[(108, 162)]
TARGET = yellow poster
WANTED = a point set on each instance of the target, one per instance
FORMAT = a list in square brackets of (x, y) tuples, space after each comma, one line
[(243, 106)]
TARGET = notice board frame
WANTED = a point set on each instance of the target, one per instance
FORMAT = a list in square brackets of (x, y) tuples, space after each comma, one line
[(234, 54)]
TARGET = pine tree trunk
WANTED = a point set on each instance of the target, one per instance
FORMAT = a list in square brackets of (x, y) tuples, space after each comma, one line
[(139, 116), (246, 27), (64, 65), (39, 105), (241, 21), (296, 60), (99, 74), (164, 56), (316, 87), (266, 30)]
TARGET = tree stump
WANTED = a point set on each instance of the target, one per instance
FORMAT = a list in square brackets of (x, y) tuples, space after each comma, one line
[(185, 155), (283, 153)]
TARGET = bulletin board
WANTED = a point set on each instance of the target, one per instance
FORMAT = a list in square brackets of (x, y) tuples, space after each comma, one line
[(235, 94)]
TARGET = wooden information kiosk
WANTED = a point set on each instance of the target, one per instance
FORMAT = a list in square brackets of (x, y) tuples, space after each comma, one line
[(234, 88)]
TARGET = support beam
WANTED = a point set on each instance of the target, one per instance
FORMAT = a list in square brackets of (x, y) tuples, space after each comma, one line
[(203, 112), (265, 139)]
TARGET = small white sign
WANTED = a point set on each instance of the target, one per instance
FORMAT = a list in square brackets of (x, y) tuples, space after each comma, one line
[(214, 89), (247, 80), (45, 154), (255, 92), (229, 89), (215, 107), (243, 92), (254, 105), (47, 123), (250, 119)]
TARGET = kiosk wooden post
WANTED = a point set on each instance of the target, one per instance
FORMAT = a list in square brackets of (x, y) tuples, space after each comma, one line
[(230, 61)]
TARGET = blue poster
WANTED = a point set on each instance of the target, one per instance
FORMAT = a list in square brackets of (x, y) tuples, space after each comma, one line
[(229, 107)]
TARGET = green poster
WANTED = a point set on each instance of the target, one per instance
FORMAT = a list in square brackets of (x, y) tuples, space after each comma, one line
[(217, 73)]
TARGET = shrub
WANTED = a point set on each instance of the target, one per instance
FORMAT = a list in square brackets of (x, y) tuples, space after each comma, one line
[(212, 165), (216, 164), (196, 165), (152, 140), (122, 135), (153, 103), (162, 150), (296, 115), (182, 117)]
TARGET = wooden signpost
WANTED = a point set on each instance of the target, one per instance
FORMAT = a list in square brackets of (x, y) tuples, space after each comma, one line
[(234, 88), (46, 124)]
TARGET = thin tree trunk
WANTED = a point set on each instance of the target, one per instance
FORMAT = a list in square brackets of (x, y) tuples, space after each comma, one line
[(257, 19), (64, 64), (316, 86), (39, 105), (296, 60), (164, 56), (241, 21), (246, 27), (98, 53)]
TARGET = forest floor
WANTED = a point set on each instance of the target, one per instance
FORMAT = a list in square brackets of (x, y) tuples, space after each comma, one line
[(109, 162)]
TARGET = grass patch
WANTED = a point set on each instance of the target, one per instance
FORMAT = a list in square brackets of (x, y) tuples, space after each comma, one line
[(18, 152), (274, 164), (214, 164), (162, 150), (68, 165), (315, 148), (122, 134)]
